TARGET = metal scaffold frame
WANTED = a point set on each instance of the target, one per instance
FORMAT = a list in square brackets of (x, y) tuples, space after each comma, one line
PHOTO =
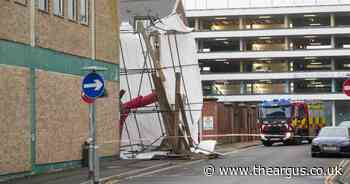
[(177, 139)]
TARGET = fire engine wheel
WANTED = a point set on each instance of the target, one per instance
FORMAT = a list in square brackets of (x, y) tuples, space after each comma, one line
[(288, 142), (298, 141), (267, 143), (309, 141)]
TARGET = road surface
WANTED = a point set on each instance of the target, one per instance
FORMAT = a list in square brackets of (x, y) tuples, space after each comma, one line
[(281, 160)]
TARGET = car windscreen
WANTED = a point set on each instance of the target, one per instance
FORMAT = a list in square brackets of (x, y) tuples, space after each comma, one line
[(334, 132), (345, 124)]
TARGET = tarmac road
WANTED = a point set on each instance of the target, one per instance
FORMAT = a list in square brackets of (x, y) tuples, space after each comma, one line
[(281, 160)]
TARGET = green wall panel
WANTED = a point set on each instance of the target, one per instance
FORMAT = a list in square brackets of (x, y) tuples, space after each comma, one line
[(12, 53)]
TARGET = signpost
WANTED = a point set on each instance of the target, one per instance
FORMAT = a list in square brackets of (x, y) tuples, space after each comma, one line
[(93, 87), (346, 87), (86, 98)]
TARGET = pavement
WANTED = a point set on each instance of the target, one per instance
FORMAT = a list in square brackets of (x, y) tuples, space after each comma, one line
[(109, 168), (277, 156), (226, 148), (345, 178), (113, 170)]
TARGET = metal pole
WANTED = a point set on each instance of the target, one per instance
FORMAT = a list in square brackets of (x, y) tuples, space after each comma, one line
[(333, 113), (96, 160), (94, 165), (32, 23), (91, 147)]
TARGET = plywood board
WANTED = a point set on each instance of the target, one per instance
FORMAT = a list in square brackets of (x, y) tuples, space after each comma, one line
[(63, 122), (15, 120), (107, 119)]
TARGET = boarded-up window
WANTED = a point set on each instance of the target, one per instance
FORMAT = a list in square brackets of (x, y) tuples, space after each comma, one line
[(72, 9), (84, 11), (58, 7), (43, 5)]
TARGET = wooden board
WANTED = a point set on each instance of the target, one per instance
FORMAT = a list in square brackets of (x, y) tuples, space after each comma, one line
[(176, 114), (62, 118), (165, 109), (14, 119), (151, 52), (107, 119)]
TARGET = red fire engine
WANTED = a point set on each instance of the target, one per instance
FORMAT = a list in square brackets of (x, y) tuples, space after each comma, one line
[(289, 121)]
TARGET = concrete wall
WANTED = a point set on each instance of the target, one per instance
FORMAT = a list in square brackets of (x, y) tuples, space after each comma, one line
[(341, 112)]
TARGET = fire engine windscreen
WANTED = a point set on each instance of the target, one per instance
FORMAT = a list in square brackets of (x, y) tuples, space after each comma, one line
[(276, 112)]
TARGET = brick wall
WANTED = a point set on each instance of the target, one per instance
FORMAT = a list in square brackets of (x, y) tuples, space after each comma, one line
[(14, 21), (230, 119), (227, 127), (58, 32), (210, 109), (106, 39)]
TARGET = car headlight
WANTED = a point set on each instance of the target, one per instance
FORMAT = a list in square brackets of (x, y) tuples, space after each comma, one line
[(283, 121), (288, 134), (315, 142)]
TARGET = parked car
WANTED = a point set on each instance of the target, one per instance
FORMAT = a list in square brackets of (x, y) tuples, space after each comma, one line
[(331, 140), (344, 124)]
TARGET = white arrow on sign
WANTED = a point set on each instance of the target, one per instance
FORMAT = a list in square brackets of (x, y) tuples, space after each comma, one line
[(97, 85)]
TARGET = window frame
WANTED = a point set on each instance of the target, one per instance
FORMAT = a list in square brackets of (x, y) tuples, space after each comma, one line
[(73, 11), (60, 4), (45, 4), (84, 7)]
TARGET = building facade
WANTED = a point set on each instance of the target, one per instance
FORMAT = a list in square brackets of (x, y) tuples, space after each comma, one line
[(44, 44), (250, 51)]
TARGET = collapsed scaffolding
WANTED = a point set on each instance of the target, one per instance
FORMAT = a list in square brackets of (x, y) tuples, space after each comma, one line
[(159, 61)]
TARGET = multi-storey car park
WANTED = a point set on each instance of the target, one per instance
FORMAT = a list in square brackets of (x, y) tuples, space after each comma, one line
[(254, 50)]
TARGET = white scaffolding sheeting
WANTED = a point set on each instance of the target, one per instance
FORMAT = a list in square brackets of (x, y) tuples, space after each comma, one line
[(181, 49), (173, 22), (132, 54), (177, 54), (143, 8)]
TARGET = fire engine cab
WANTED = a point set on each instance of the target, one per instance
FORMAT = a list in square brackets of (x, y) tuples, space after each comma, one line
[(289, 121)]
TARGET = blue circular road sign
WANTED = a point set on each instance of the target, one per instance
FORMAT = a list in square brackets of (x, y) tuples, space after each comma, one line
[(93, 85)]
